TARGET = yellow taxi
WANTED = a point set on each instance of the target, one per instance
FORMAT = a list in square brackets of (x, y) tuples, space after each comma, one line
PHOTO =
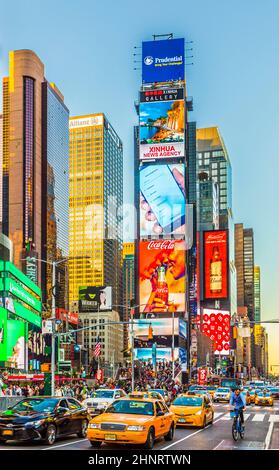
[(247, 396), (252, 395), (192, 410), (211, 389), (264, 398), (147, 394), (132, 421)]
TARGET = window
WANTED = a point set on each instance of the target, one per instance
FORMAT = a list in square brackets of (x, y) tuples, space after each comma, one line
[(74, 405)]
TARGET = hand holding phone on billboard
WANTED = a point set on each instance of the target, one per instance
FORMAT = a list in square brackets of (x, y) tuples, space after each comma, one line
[(162, 198)]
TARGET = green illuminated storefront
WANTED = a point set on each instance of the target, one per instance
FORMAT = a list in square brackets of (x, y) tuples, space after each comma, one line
[(20, 311)]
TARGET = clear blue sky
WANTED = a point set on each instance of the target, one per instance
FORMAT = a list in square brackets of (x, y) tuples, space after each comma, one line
[(87, 47)]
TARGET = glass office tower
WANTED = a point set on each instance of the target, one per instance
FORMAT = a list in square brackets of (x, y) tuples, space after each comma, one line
[(257, 292), (55, 193), (96, 196)]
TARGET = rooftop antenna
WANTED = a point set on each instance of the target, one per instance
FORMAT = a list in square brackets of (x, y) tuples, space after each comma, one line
[(167, 36)]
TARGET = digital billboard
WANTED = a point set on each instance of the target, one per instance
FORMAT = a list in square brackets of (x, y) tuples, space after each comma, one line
[(164, 94), (216, 264), (163, 60), (160, 329), (161, 129), (13, 345), (162, 269), (162, 199), (162, 354), (90, 297), (216, 325)]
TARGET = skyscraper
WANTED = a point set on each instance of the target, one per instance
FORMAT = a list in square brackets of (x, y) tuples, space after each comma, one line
[(22, 153), (128, 284), (257, 293), (96, 194), (35, 162), (1, 168)]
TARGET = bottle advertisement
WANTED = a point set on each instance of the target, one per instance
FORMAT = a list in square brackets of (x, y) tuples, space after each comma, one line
[(162, 276), (216, 264)]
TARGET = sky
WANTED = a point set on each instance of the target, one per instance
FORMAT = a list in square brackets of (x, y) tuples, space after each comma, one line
[(88, 46)]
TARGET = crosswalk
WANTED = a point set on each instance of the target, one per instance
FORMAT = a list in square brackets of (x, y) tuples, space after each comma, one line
[(255, 417)]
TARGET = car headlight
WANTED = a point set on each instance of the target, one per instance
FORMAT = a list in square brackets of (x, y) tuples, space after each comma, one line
[(34, 424), (198, 413), (94, 426), (135, 428)]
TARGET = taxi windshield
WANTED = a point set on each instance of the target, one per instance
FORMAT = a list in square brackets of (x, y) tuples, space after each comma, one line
[(36, 405), (224, 390), (187, 401), (162, 392), (131, 407), (264, 394), (103, 394)]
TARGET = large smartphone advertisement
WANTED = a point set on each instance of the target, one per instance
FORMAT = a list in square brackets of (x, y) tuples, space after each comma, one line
[(216, 325), (162, 199), (162, 354), (162, 269), (216, 264), (162, 128), (163, 60)]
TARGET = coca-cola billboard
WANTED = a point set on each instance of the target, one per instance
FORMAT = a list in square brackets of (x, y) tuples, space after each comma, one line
[(162, 267), (216, 325), (202, 376), (216, 264)]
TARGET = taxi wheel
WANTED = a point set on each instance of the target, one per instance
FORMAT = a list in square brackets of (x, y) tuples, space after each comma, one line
[(96, 443), (169, 436), (149, 444), (83, 429), (50, 435), (204, 423)]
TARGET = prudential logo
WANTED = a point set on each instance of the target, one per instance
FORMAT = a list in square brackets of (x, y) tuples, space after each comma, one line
[(148, 60)]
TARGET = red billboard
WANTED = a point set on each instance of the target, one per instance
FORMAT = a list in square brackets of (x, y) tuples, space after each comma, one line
[(162, 269), (202, 376), (64, 315), (216, 264), (216, 325)]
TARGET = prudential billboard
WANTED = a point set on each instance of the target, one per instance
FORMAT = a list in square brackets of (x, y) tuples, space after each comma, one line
[(163, 61)]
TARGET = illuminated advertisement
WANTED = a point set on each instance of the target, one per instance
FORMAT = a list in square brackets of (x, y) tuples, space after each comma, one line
[(216, 325), (162, 354), (161, 130), (15, 289), (91, 298), (163, 61), (182, 328), (216, 264), (162, 199), (164, 94), (162, 276), (147, 332), (13, 345)]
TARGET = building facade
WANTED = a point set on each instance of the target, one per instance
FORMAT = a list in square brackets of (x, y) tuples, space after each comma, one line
[(128, 285), (257, 293), (95, 197)]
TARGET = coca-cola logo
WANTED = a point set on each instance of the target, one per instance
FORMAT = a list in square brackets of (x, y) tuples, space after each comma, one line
[(216, 236), (161, 245)]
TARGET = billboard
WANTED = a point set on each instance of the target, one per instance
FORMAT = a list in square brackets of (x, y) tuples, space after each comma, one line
[(161, 329), (164, 94), (162, 199), (216, 264), (90, 297), (163, 61), (13, 342), (162, 269), (162, 354), (161, 129), (216, 325)]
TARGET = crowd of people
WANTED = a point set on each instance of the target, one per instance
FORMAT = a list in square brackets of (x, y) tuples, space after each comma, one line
[(146, 377)]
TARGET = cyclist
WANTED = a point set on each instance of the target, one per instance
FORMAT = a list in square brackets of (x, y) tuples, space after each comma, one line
[(238, 401)]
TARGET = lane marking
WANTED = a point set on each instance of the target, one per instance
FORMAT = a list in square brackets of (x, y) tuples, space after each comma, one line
[(216, 415), (274, 419), (189, 435), (246, 416), (220, 443), (268, 436), (64, 445), (259, 417)]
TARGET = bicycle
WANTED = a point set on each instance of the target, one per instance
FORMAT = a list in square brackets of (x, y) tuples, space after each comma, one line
[(237, 428)]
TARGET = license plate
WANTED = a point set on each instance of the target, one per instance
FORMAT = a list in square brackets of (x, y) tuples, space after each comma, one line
[(91, 410), (182, 420), (110, 437), (7, 432)]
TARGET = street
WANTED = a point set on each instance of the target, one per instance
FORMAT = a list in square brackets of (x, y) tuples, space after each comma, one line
[(261, 433)]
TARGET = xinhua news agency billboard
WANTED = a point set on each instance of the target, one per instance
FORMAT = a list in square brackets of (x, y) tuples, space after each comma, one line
[(216, 264), (162, 129), (163, 61)]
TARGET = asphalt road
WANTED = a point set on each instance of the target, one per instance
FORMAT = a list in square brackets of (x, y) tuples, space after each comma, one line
[(261, 433)]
